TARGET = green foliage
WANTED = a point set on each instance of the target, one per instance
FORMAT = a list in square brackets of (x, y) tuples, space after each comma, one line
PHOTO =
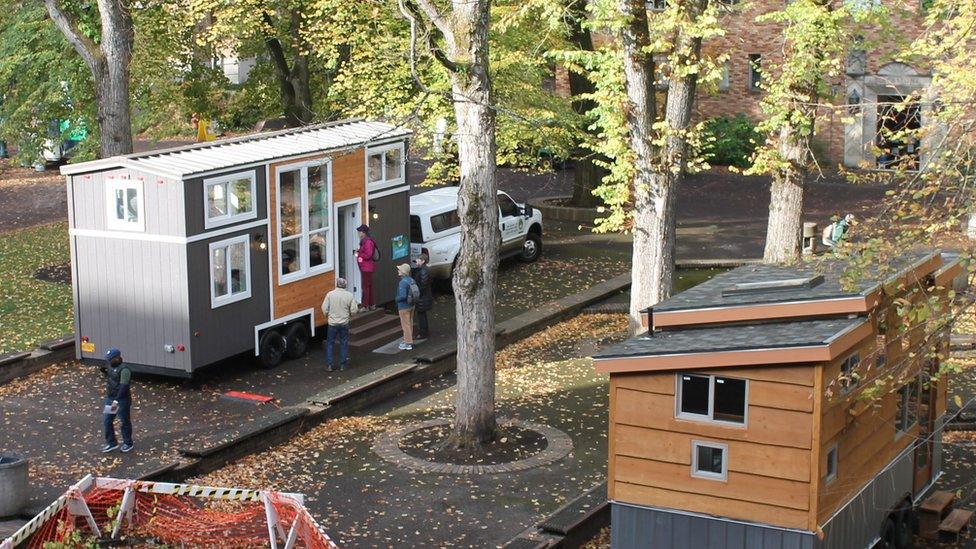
[(730, 141), (32, 310)]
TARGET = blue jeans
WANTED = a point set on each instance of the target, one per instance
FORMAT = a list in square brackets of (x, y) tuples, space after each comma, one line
[(108, 421), (330, 337)]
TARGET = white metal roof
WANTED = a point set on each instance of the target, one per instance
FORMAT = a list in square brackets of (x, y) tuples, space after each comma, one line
[(215, 156)]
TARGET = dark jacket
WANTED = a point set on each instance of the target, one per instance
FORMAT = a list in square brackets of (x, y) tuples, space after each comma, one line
[(117, 379), (421, 276)]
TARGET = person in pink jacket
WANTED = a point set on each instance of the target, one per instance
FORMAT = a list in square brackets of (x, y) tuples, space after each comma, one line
[(366, 257)]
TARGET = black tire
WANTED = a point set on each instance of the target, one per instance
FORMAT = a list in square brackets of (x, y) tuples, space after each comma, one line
[(271, 350), (888, 534), (531, 248), (296, 340), (904, 527)]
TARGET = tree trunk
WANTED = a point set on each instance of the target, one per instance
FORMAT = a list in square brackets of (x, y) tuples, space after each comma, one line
[(109, 65), (587, 175), (293, 81), (476, 273), (784, 231)]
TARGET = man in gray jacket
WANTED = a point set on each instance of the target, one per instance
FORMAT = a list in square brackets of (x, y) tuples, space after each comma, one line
[(339, 306)]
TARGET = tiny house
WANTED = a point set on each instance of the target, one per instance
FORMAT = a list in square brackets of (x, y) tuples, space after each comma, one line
[(187, 256), (775, 407)]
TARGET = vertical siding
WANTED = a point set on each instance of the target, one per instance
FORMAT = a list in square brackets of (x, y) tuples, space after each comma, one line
[(858, 523), (229, 329), (162, 198), (645, 528), (132, 295), (394, 219)]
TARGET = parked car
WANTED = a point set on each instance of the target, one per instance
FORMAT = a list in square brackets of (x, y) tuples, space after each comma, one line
[(435, 228)]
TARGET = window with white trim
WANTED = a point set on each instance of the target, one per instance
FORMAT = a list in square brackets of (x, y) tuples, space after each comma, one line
[(230, 270), (304, 221), (228, 199), (709, 460), (124, 205), (831, 465), (711, 398), (385, 166)]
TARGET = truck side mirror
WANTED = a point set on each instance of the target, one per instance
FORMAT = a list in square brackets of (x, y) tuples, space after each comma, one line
[(527, 210)]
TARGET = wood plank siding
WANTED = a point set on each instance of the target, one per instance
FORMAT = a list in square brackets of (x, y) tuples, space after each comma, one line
[(348, 182), (769, 459)]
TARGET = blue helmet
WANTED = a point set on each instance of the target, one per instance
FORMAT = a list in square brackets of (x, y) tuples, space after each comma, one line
[(112, 353)]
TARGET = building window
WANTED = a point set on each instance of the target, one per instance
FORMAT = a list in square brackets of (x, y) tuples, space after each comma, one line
[(712, 398), (385, 166), (906, 414), (755, 71), (723, 84), (229, 199), (230, 270), (304, 221), (709, 460), (657, 5), (848, 373), (831, 464), (124, 205)]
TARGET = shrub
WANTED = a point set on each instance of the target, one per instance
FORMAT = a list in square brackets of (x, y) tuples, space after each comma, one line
[(730, 141)]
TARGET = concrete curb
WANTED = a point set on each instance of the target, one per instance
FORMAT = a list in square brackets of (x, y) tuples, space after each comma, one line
[(20, 364), (563, 213)]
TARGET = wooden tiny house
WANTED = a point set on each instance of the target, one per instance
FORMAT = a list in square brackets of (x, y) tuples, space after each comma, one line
[(777, 407), (183, 257)]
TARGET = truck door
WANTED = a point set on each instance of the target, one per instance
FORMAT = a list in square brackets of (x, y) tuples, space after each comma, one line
[(511, 223)]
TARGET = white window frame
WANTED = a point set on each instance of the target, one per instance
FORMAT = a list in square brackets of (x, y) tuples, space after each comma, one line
[(710, 417), (111, 221), (831, 475), (227, 219), (328, 262), (708, 475), (220, 301), (384, 182)]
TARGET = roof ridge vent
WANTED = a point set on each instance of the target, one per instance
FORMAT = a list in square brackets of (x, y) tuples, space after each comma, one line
[(770, 286)]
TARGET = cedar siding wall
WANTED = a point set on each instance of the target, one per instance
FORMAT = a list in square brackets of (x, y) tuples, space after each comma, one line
[(768, 459), (348, 181)]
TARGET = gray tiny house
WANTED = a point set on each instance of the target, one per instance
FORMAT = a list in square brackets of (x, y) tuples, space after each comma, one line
[(187, 256)]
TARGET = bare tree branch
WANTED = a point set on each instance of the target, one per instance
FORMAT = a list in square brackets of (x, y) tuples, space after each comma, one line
[(86, 47)]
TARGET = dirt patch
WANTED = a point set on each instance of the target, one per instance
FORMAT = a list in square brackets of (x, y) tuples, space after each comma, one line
[(29, 198), (58, 274), (514, 443)]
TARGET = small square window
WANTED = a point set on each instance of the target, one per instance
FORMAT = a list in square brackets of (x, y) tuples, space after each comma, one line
[(657, 5), (385, 166), (709, 460), (229, 199), (848, 373), (124, 205), (755, 71), (831, 464)]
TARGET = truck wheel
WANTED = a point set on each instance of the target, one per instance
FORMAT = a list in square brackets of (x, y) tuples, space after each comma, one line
[(903, 527), (296, 340), (531, 248), (271, 349), (887, 540)]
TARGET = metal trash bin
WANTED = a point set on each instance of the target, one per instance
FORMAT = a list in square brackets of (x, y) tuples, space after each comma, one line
[(810, 231), (13, 484)]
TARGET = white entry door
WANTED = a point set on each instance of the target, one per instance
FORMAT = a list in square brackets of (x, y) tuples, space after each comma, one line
[(348, 217)]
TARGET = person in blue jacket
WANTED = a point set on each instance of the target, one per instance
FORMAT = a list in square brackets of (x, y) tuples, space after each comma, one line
[(406, 298), (118, 401)]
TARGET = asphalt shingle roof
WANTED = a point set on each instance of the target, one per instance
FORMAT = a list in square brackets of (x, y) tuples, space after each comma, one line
[(740, 337)]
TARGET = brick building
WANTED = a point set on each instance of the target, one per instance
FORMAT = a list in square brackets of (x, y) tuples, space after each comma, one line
[(850, 134)]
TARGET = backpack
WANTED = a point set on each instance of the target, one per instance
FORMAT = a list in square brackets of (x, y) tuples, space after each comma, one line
[(413, 296), (376, 250)]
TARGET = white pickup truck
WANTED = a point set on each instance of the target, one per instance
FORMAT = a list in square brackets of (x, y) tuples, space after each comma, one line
[(435, 228)]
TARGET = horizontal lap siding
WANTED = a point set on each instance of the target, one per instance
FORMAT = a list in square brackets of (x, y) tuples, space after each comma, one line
[(768, 460), (863, 429), (348, 181)]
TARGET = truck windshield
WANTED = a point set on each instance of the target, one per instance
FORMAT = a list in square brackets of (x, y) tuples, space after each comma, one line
[(416, 231)]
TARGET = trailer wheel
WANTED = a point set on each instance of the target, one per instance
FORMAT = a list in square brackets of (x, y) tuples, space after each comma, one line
[(271, 350), (904, 527), (296, 340), (888, 532)]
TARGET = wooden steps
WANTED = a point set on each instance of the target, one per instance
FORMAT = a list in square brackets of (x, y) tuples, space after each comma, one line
[(938, 520), (371, 329)]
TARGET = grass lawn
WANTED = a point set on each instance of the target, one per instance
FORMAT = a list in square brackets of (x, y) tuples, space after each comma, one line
[(32, 310)]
